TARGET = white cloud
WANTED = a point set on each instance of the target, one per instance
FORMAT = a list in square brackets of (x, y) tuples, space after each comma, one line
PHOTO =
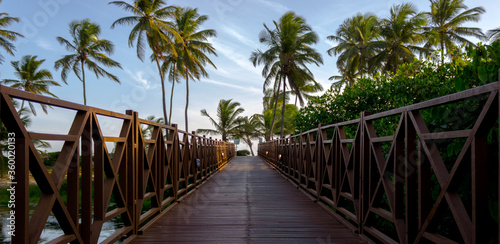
[(236, 57), (45, 44), (139, 78), (280, 8), (239, 36), (245, 88)]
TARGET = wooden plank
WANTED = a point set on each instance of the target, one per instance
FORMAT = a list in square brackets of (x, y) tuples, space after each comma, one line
[(446, 135), (53, 137), (382, 139), (114, 139), (245, 202)]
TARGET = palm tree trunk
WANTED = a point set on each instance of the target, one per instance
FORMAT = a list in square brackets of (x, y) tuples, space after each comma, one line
[(83, 81), (274, 111), (187, 100), (283, 108), (249, 142), (162, 89), (442, 49), (171, 101)]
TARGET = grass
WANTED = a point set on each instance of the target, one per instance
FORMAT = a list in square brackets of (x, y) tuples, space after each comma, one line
[(34, 194)]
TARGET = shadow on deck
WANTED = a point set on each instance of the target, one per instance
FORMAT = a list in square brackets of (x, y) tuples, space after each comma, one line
[(247, 202)]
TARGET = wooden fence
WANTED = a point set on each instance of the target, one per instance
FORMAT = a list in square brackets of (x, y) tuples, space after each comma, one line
[(425, 173), (135, 183)]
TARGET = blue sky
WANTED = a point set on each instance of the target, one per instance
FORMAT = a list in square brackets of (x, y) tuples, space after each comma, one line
[(237, 22)]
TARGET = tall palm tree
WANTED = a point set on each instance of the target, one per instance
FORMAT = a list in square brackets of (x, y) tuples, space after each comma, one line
[(7, 36), (87, 51), (191, 44), (494, 35), (355, 39), (171, 70), (446, 20), (307, 89), (288, 55), (270, 97), (151, 28), (401, 33), (227, 119), (248, 129), (347, 77), (32, 79)]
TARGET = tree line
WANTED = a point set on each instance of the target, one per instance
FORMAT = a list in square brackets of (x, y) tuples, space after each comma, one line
[(367, 46), (174, 34)]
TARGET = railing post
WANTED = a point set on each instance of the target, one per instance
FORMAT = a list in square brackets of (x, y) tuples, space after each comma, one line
[(194, 156), (175, 160), (362, 173), (498, 147), (411, 180), (86, 218), (132, 146), (20, 184), (320, 163)]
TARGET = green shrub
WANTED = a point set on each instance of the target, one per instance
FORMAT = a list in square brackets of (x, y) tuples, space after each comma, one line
[(51, 158), (242, 153)]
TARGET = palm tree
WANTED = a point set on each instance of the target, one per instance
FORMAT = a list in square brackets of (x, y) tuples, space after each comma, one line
[(347, 77), (170, 69), (26, 120), (446, 20), (401, 33), (4, 135), (87, 51), (147, 131), (32, 79), (191, 45), (227, 119), (494, 35), (265, 121), (151, 27), (270, 97), (355, 39), (248, 129), (307, 89), (288, 55), (7, 36)]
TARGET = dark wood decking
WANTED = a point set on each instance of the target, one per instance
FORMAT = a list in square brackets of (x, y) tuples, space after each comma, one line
[(247, 202)]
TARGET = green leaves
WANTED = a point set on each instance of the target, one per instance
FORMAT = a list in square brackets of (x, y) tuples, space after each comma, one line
[(482, 74), (86, 50), (459, 84)]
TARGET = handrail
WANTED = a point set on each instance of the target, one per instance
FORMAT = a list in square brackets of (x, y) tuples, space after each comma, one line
[(404, 186), (160, 170)]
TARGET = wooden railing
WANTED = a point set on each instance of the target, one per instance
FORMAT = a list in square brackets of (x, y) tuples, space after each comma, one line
[(425, 173), (134, 184)]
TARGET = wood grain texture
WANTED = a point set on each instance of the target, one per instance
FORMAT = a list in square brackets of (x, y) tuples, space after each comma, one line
[(247, 202)]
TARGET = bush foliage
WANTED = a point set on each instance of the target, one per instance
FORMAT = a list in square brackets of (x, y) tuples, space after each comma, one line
[(413, 83)]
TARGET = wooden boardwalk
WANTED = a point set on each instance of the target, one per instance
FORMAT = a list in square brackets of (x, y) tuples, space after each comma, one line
[(247, 202)]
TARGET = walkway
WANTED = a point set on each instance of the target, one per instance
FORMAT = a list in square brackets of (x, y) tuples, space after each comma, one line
[(247, 202)]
